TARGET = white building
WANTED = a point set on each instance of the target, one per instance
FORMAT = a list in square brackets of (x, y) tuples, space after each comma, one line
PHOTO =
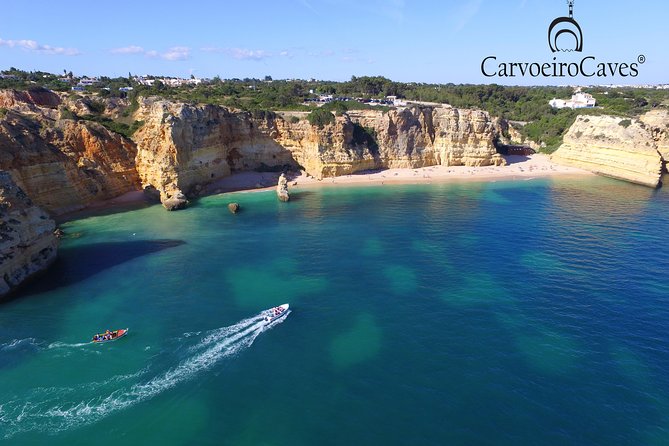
[(578, 100), (396, 102)]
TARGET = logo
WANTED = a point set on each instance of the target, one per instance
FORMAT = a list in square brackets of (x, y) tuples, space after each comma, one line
[(569, 27), (565, 35)]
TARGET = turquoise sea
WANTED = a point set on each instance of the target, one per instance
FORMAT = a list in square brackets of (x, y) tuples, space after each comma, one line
[(502, 313)]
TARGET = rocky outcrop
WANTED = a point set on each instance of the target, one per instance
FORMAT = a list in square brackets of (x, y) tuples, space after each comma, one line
[(657, 122), (29, 100), (282, 189), (612, 146), (64, 165), (181, 146), (233, 207), (27, 241), (428, 136)]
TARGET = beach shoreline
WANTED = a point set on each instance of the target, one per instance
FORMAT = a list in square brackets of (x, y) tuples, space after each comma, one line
[(518, 168)]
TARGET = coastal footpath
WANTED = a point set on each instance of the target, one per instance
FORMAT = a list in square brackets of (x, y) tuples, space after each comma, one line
[(633, 150), (27, 241)]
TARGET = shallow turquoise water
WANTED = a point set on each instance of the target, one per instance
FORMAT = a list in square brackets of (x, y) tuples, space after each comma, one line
[(507, 313)]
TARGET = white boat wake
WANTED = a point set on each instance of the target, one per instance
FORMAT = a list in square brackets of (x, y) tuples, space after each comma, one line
[(45, 409)]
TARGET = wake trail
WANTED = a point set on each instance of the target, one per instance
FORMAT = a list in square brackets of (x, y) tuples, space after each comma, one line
[(65, 345), (50, 416), (16, 344)]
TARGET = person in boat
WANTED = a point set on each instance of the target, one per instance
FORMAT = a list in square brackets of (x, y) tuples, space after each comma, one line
[(95, 338)]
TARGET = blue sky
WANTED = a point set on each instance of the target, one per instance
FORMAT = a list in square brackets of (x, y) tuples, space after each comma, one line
[(405, 40)]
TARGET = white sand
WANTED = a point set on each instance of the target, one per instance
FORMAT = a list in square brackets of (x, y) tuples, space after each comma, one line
[(519, 167)]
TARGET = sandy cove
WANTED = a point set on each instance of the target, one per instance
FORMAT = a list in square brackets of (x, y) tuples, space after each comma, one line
[(519, 167)]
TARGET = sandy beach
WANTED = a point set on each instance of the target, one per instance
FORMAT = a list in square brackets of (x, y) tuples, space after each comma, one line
[(519, 167)]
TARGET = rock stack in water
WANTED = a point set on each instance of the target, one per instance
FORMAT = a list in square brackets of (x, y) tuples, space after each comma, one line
[(233, 207), (27, 241), (282, 189)]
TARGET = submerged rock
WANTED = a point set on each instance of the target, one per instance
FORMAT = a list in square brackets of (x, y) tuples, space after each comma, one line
[(28, 244), (282, 189)]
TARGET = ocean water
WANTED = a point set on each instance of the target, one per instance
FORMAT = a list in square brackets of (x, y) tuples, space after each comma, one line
[(503, 313)]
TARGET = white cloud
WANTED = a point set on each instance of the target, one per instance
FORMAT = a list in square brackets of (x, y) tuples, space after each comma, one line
[(259, 55), (174, 53), (31, 45), (177, 53), (243, 53), (323, 53), (246, 54), (132, 49)]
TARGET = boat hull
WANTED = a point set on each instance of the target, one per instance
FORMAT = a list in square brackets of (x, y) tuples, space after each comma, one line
[(121, 332), (273, 316)]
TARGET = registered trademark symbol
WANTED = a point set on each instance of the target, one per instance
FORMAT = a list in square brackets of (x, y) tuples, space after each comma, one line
[(641, 58)]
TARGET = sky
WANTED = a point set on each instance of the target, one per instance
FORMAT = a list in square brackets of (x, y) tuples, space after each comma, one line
[(438, 41)]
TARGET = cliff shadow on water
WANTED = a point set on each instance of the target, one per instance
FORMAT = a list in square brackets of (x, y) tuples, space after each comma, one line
[(78, 263)]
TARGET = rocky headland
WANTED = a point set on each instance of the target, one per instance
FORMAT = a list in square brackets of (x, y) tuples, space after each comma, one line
[(633, 150), (62, 164)]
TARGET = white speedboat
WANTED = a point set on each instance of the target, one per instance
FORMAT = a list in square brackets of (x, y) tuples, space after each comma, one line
[(276, 313)]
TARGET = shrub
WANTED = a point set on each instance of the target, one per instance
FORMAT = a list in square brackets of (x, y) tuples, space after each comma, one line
[(97, 107), (66, 113), (365, 136), (294, 119), (625, 123), (3, 112), (320, 118), (132, 108), (339, 107)]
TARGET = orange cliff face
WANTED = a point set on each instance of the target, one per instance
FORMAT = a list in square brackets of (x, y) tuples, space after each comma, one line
[(182, 146), (27, 241), (65, 165)]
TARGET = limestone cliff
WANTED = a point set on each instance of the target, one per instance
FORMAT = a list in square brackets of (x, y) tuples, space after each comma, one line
[(657, 122), (183, 146), (64, 165), (614, 147), (29, 100), (27, 241), (428, 136)]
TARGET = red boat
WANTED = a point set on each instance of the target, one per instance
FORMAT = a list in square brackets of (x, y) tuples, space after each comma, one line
[(110, 335)]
